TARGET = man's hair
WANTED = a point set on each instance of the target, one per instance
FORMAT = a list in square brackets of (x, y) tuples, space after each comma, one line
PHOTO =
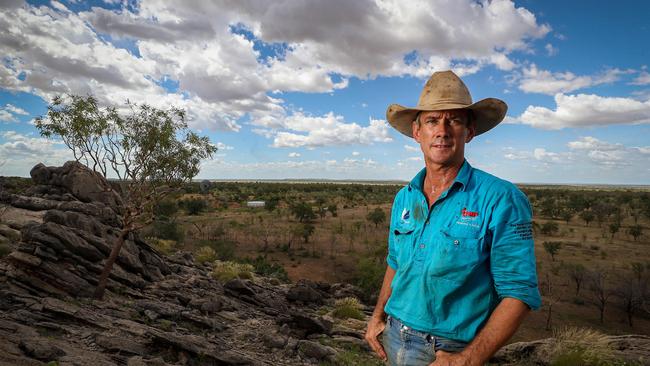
[(471, 118)]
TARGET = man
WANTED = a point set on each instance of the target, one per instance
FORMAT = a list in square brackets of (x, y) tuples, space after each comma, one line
[(461, 268)]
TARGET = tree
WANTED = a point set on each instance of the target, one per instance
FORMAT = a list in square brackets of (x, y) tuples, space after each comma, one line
[(635, 231), (305, 231), (332, 209), (632, 294), (376, 216), (552, 248), (613, 228), (588, 216), (577, 273), (600, 290), (566, 214), (151, 151), (302, 211), (549, 228)]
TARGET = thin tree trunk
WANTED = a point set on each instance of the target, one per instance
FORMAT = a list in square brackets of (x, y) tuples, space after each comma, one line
[(103, 278)]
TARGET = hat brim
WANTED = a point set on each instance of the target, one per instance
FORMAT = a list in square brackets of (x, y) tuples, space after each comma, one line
[(488, 113)]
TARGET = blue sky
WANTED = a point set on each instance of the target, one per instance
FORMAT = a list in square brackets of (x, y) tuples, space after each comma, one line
[(299, 89)]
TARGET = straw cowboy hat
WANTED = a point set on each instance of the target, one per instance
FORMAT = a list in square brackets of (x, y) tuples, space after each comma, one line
[(445, 90)]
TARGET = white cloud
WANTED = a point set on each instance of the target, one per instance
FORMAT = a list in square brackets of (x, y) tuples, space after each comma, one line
[(16, 110), (223, 147), (550, 50), (294, 155), (21, 152), (583, 110), (327, 130), (5, 116), (534, 80), (592, 143), (356, 153), (411, 148), (642, 79)]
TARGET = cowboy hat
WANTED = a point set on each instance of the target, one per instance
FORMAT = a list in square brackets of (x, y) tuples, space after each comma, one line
[(445, 90)]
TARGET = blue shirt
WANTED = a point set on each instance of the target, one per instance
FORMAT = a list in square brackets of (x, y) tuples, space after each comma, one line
[(455, 261)]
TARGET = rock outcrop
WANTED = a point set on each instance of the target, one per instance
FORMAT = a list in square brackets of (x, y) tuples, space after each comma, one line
[(157, 311)]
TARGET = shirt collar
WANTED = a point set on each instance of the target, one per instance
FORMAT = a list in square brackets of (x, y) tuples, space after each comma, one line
[(462, 177)]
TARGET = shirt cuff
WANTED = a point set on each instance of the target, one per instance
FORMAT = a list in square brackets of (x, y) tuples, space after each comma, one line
[(528, 295)]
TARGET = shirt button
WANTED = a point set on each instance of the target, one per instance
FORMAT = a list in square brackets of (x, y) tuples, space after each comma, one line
[(421, 246), (456, 242)]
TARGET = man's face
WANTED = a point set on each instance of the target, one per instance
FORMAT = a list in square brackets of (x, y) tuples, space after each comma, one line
[(442, 136)]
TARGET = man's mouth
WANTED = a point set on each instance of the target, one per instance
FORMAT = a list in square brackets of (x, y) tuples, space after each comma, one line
[(441, 146)]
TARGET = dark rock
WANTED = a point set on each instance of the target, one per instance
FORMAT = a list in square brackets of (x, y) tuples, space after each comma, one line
[(239, 287), (305, 294), (275, 340), (315, 350), (311, 325), (41, 349)]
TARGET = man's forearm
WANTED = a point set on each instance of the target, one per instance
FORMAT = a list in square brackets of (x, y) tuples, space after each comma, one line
[(384, 294), (501, 325)]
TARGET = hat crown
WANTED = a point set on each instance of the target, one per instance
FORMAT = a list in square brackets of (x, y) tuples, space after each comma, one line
[(444, 87)]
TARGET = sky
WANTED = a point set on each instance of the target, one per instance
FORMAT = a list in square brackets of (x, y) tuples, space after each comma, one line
[(298, 89)]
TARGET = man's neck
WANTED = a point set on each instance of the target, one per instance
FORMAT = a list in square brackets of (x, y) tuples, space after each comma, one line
[(438, 178)]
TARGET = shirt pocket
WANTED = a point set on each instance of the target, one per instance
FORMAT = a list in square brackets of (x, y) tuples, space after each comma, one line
[(455, 258), (403, 234)]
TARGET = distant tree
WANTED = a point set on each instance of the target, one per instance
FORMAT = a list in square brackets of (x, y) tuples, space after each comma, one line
[(552, 247), (151, 151), (577, 273), (637, 269), (195, 206), (376, 216), (549, 228), (320, 203), (302, 211), (632, 294), (601, 292), (635, 231), (332, 209), (165, 209), (613, 228), (305, 231), (567, 214), (271, 204), (588, 216)]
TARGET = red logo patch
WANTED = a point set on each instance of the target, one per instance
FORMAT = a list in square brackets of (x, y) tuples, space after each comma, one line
[(466, 213)]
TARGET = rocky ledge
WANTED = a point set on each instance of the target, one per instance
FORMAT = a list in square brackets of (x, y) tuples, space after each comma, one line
[(161, 310), (157, 310)]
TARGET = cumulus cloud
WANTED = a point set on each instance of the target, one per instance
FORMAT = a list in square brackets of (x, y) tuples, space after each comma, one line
[(294, 155), (584, 110), (550, 50), (411, 148), (356, 153), (327, 130), (642, 79), (592, 143), (222, 147), (534, 80), (20, 151), (221, 74)]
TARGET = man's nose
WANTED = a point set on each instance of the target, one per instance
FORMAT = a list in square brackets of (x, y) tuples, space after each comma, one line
[(442, 128)]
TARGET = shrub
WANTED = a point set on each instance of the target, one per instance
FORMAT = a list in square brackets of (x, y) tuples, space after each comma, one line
[(348, 307), (581, 347), (369, 276), (224, 249), (263, 267), (206, 254), (226, 271), (167, 230), (166, 247), (195, 206)]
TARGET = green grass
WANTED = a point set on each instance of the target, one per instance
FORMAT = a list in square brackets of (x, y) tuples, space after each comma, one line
[(348, 307), (226, 271)]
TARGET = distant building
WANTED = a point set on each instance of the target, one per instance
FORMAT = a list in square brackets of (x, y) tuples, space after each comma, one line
[(255, 204)]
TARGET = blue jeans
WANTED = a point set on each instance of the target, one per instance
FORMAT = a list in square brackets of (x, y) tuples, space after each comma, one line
[(405, 346)]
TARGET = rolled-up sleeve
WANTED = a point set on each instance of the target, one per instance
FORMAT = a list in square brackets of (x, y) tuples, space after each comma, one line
[(391, 258), (512, 254)]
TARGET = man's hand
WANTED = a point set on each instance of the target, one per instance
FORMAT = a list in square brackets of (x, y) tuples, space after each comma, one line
[(450, 359), (376, 326)]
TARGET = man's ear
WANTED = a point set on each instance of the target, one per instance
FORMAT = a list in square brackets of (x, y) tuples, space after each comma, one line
[(415, 130), (471, 132)]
